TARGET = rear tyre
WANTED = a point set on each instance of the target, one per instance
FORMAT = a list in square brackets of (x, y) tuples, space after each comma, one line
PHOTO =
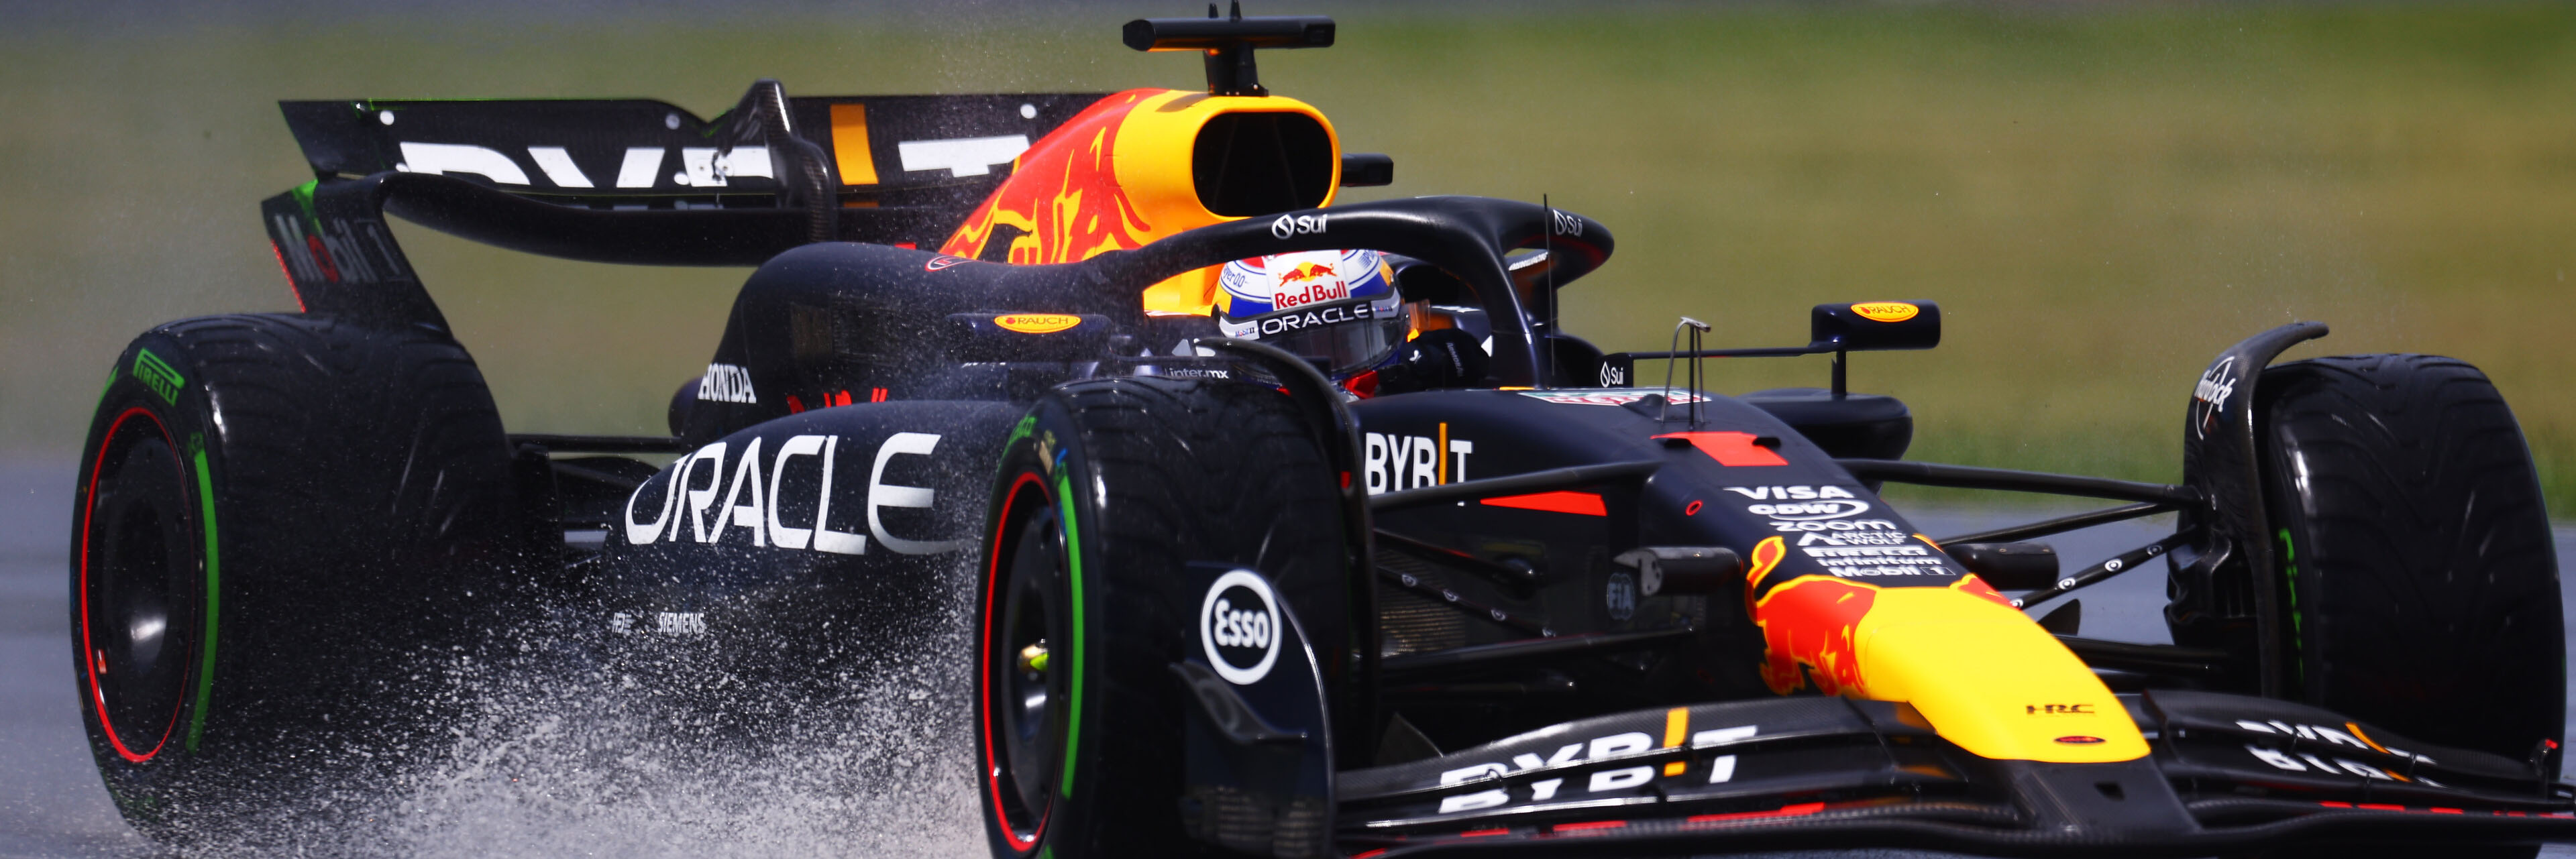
[(2416, 559), (1107, 489), (277, 517)]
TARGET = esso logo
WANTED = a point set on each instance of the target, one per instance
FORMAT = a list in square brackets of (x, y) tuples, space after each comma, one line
[(1239, 627), (1808, 511)]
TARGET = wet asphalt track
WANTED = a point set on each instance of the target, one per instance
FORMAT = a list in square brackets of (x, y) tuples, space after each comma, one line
[(51, 804)]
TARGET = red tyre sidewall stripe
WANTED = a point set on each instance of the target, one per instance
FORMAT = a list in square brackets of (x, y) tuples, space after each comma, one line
[(89, 654), (984, 674)]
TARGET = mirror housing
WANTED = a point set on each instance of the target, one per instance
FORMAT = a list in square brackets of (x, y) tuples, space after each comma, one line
[(1877, 325)]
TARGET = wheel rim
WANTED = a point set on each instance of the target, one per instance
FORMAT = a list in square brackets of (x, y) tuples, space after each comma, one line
[(135, 580), (1023, 683)]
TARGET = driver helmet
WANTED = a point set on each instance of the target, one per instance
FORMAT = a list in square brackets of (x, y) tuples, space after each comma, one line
[(1339, 306)]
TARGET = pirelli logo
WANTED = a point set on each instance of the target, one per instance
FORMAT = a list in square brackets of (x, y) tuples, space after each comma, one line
[(157, 374)]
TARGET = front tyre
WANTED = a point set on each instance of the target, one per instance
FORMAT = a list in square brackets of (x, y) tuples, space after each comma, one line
[(1108, 488), (2416, 554)]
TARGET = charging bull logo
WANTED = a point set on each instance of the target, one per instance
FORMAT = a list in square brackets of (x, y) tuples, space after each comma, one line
[(1063, 195), (1808, 621), (1305, 272), (1810, 624)]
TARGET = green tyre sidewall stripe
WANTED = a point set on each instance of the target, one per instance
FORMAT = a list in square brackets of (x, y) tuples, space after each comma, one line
[(2298, 626), (214, 588), (1073, 562)]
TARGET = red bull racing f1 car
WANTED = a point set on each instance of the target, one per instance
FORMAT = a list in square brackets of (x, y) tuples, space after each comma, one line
[(1278, 527)]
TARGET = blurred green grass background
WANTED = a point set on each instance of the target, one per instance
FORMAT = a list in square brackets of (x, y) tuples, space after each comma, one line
[(2100, 196)]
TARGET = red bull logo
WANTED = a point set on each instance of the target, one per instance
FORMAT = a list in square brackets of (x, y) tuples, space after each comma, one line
[(1809, 624), (1807, 627), (1329, 290), (1064, 194)]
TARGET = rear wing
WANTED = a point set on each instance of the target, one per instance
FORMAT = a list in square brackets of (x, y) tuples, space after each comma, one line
[(889, 150), (636, 181)]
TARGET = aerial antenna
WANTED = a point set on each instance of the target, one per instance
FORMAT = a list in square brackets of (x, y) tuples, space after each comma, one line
[(1696, 328), (1228, 42), (1547, 274)]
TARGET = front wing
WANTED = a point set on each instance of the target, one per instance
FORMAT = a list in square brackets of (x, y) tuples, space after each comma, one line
[(2226, 773)]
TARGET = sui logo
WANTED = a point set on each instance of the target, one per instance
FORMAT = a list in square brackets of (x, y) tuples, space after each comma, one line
[(1239, 627)]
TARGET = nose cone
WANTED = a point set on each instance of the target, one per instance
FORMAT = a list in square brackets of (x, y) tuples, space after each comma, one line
[(1990, 680)]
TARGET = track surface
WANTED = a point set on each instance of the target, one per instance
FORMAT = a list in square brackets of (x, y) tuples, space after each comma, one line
[(51, 804)]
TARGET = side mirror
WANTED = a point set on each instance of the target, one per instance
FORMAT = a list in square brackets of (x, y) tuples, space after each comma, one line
[(1877, 325), (1367, 170)]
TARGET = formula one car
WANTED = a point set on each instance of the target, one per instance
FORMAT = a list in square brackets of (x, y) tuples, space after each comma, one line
[(1279, 527)]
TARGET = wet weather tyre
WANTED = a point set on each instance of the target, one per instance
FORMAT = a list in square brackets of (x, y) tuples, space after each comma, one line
[(2416, 555), (276, 517), (1107, 489)]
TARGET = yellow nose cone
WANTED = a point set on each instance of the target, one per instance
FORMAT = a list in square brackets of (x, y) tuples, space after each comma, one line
[(1990, 680)]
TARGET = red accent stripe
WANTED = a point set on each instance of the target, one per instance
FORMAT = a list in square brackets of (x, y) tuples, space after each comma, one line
[(2447, 811), (984, 678), (280, 254), (1373, 854), (89, 653), (1798, 810), (2381, 807), (876, 395), (1588, 827), (2336, 804), (1730, 448), (1580, 503), (1596, 824), (1480, 833)]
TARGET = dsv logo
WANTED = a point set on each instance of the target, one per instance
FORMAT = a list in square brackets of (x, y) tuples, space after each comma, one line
[(1563, 223), (1239, 627), (1297, 225)]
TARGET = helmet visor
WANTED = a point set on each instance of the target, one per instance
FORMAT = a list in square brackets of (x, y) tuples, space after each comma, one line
[(1347, 347)]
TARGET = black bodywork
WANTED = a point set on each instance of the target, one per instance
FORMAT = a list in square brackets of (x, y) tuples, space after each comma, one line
[(837, 454)]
